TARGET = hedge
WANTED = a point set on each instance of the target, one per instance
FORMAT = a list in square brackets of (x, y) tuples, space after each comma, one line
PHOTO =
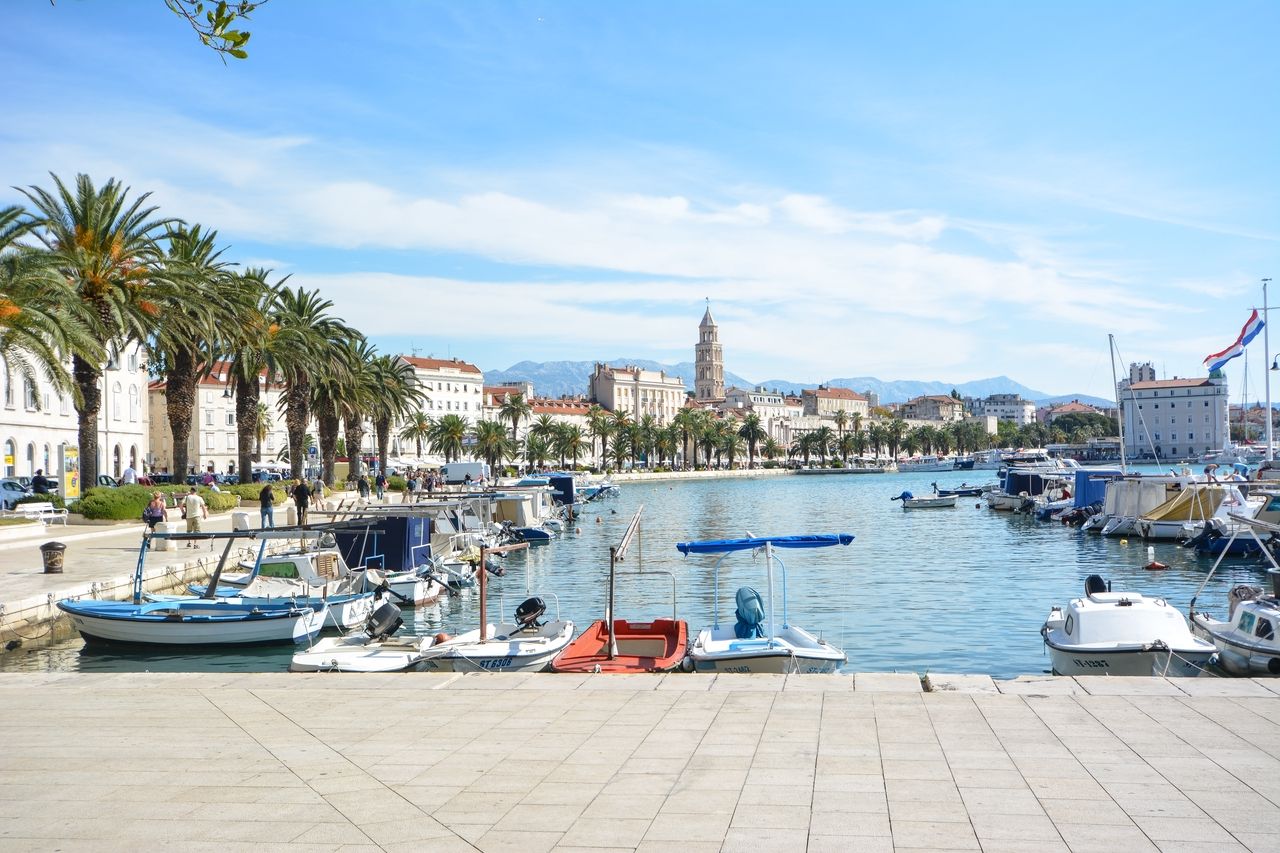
[(50, 498), (126, 503)]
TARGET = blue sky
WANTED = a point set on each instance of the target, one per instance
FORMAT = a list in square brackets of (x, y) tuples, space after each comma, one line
[(926, 190)]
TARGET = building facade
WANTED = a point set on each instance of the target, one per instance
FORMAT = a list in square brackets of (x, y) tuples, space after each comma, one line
[(824, 402), (1074, 407), (932, 407), (637, 391), (1173, 418), (37, 422), (708, 360), (449, 386), (1005, 407)]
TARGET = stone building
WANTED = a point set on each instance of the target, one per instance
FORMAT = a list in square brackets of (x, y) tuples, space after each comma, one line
[(932, 407), (450, 386), (1175, 418), (824, 402), (708, 360), (637, 391)]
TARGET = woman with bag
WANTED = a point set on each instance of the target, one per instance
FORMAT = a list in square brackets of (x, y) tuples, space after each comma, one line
[(155, 512)]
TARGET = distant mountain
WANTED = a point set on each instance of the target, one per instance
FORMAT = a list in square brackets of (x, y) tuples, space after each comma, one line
[(558, 378)]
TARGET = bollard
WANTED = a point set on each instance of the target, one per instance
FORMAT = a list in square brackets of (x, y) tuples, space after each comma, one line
[(291, 516), (239, 521), (52, 554), (164, 544)]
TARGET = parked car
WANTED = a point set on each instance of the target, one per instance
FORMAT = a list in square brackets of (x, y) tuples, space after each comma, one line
[(161, 479), (108, 481), (26, 483), (11, 491)]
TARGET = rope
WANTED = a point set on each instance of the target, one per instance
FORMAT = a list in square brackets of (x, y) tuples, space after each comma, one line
[(12, 630)]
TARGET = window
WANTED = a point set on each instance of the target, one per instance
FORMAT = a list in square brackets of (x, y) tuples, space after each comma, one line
[(208, 396), (208, 417), (29, 396), (1157, 436), (271, 441), (1265, 631), (208, 441), (133, 360), (133, 404), (231, 418), (1191, 436), (231, 441), (1246, 622), (117, 403), (1206, 402), (10, 458), (1173, 436)]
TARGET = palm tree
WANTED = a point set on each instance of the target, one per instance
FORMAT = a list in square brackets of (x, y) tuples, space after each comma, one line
[(491, 442), (104, 246), (396, 393), (753, 432), (417, 429), (858, 441), (358, 401), (875, 438), (447, 436), (515, 408), (623, 446), (544, 427), (262, 426), (570, 441), (536, 451), (665, 443), (646, 436), (686, 422), (911, 442), (304, 314), (730, 442), (255, 354), (598, 426), (846, 444), (823, 439), (706, 435), (893, 436), (770, 449), (805, 446), (842, 421)]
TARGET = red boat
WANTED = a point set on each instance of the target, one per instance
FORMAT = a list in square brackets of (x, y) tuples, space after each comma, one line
[(656, 646)]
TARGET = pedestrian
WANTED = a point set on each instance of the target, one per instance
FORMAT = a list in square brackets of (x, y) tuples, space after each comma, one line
[(301, 499), (40, 483), (410, 487), (193, 510), (208, 477), (129, 477), (155, 512), (381, 483), (266, 503), (362, 485)]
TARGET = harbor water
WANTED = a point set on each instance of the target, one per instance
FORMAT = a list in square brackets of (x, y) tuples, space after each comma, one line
[(942, 590)]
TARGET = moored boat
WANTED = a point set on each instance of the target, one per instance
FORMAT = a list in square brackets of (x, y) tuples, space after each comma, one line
[(910, 501), (1248, 641)]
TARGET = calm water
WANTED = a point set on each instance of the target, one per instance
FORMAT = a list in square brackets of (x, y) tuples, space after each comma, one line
[(960, 590)]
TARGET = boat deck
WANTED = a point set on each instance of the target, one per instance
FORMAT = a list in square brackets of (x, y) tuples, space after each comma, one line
[(638, 762)]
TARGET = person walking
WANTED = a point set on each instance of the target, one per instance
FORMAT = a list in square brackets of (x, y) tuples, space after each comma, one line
[(155, 512), (362, 486), (381, 483), (40, 483), (410, 487), (194, 509), (266, 503), (301, 499), (129, 477)]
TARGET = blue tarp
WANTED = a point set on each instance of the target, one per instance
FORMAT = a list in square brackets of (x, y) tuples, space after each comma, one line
[(1091, 485), (723, 546), (750, 614)]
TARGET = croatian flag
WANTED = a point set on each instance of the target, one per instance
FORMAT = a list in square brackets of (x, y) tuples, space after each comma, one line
[(1248, 333)]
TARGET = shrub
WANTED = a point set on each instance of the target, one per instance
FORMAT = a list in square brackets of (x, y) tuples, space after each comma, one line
[(396, 483), (51, 498), (126, 503), (249, 492)]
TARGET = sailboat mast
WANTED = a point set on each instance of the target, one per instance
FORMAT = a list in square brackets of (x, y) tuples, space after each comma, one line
[(1266, 357), (1115, 385)]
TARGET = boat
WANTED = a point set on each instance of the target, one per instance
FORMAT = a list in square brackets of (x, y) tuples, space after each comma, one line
[(375, 649), (1215, 536), (1122, 633), (910, 501), (756, 642), (988, 460), (922, 464), (612, 645), (1246, 641), (1019, 487), (207, 621), (964, 490), (1193, 505)]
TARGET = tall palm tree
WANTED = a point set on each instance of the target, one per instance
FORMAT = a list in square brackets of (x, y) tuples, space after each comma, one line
[(666, 442), (730, 442), (623, 445), (646, 436), (805, 445), (448, 435), (846, 444), (875, 439), (491, 442), (256, 353), (706, 435), (515, 408), (304, 314), (416, 429), (823, 439), (753, 432), (396, 393), (536, 451), (842, 421), (771, 449), (202, 308), (571, 439), (686, 422), (262, 427), (358, 401), (544, 427), (893, 436), (598, 427), (105, 247)]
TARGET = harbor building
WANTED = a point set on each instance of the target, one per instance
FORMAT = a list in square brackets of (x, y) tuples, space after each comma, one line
[(1005, 407), (637, 391), (708, 360), (932, 407), (214, 438), (824, 402), (1074, 407), (37, 422), (1176, 418), (449, 386)]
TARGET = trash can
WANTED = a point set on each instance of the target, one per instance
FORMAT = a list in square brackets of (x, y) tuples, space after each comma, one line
[(52, 554)]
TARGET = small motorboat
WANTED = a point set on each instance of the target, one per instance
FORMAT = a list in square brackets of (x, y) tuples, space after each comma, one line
[(524, 645), (964, 490), (1247, 641), (1122, 633), (620, 645), (375, 649), (748, 645), (910, 501)]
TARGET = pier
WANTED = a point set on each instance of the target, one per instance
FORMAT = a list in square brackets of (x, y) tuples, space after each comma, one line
[(536, 763)]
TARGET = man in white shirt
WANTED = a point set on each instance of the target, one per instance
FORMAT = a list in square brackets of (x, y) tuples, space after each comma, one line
[(129, 477), (193, 510)]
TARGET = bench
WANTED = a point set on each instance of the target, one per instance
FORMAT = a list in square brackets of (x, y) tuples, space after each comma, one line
[(38, 512)]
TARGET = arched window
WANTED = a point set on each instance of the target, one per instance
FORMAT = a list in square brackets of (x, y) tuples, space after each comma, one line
[(133, 404), (10, 458), (115, 462), (31, 460), (48, 460), (133, 456), (117, 393)]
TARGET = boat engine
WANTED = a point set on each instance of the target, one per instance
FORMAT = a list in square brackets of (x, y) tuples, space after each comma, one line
[(383, 621), (528, 613), (1095, 584)]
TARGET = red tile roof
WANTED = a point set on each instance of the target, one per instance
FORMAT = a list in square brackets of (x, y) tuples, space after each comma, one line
[(1170, 383), (440, 363), (834, 393), (1074, 407)]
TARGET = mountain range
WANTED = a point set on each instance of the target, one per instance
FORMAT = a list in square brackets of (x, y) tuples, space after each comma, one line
[(562, 378)]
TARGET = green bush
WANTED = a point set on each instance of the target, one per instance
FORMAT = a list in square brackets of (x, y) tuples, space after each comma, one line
[(249, 492), (51, 498), (396, 483), (126, 503)]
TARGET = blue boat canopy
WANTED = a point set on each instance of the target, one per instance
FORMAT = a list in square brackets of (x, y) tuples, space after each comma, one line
[(724, 546)]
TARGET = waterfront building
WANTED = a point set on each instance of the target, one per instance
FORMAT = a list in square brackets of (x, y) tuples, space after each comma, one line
[(449, 386), (214, 438), (825, 402), (1177, 418), (1006, 407), (708, 360), (637, 391), (769, 406), (1074, 407), (794, 406), (932, 407), (37, 422)]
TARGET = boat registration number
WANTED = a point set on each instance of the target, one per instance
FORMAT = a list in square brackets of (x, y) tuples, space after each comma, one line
[(495, 663), (1094, 664)]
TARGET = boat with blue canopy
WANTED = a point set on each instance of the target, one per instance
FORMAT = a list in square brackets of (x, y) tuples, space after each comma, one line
[(756, 643)]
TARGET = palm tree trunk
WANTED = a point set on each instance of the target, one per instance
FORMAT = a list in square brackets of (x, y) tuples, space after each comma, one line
[(87, 376), (180, 400), (246, 426), (327, 424), (382, 429), (296, 415), (354, 430)]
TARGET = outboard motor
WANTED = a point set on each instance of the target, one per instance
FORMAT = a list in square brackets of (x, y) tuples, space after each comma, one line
[(529, 612), (383, 621), (750, 614), (905, 496), (1095, 584)]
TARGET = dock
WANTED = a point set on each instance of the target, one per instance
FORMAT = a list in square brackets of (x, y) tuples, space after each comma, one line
[(690, 763)]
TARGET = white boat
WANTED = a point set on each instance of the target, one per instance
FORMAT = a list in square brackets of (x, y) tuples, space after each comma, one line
[(923, 464), (988, 460), (374, 649), (1193, 505), (1247, 641), (748, 646), (909, 501), (1122, 633), (524, 645)]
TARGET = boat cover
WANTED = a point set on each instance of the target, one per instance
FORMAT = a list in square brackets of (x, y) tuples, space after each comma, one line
[(750, 614), (1091, 485), (723, 546)]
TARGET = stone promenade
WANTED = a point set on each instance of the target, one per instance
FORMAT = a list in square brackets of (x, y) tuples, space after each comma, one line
[(263, 762)]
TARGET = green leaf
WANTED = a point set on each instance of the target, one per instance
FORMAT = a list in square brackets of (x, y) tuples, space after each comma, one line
[(238, 54)]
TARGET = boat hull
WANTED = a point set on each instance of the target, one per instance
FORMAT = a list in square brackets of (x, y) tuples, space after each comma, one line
[(1237, 655), (505, 651), (657, 646), (794, 650), (944, 502), (1184, 663), (148, 625)]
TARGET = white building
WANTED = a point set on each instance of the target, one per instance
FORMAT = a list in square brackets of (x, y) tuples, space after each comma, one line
[(637, 391), (1179, 418), (450, 386), (36, 422), (824, 402), (1006, 407)]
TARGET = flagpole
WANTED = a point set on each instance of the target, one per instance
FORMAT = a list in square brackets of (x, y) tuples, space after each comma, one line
[(1266, 353)]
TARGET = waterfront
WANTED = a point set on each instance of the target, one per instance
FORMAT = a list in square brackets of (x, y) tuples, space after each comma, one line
[(961, 590)]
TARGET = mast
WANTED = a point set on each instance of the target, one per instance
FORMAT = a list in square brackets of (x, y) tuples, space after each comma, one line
[(1266, 356), (1111, 350)]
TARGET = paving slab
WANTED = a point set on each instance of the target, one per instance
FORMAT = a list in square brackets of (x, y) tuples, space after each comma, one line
[(1129, 685), (887, 682), (945, 682), (1040, 685), (1229, 687)]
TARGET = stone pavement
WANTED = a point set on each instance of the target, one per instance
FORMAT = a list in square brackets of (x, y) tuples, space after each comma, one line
[(691, 763)]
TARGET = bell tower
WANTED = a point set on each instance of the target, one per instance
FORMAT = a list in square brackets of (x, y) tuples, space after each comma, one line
[(708, 360)]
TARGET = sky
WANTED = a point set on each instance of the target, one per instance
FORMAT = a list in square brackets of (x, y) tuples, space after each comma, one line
[(920, 190)]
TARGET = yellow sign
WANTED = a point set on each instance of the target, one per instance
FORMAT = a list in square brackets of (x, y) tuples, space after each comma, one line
[(8, 459), (70, 473)]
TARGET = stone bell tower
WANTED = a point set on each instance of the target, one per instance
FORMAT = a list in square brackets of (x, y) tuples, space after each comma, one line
[(709, 360)]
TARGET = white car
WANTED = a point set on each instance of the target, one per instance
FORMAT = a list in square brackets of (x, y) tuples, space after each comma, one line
[(11, 491)]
